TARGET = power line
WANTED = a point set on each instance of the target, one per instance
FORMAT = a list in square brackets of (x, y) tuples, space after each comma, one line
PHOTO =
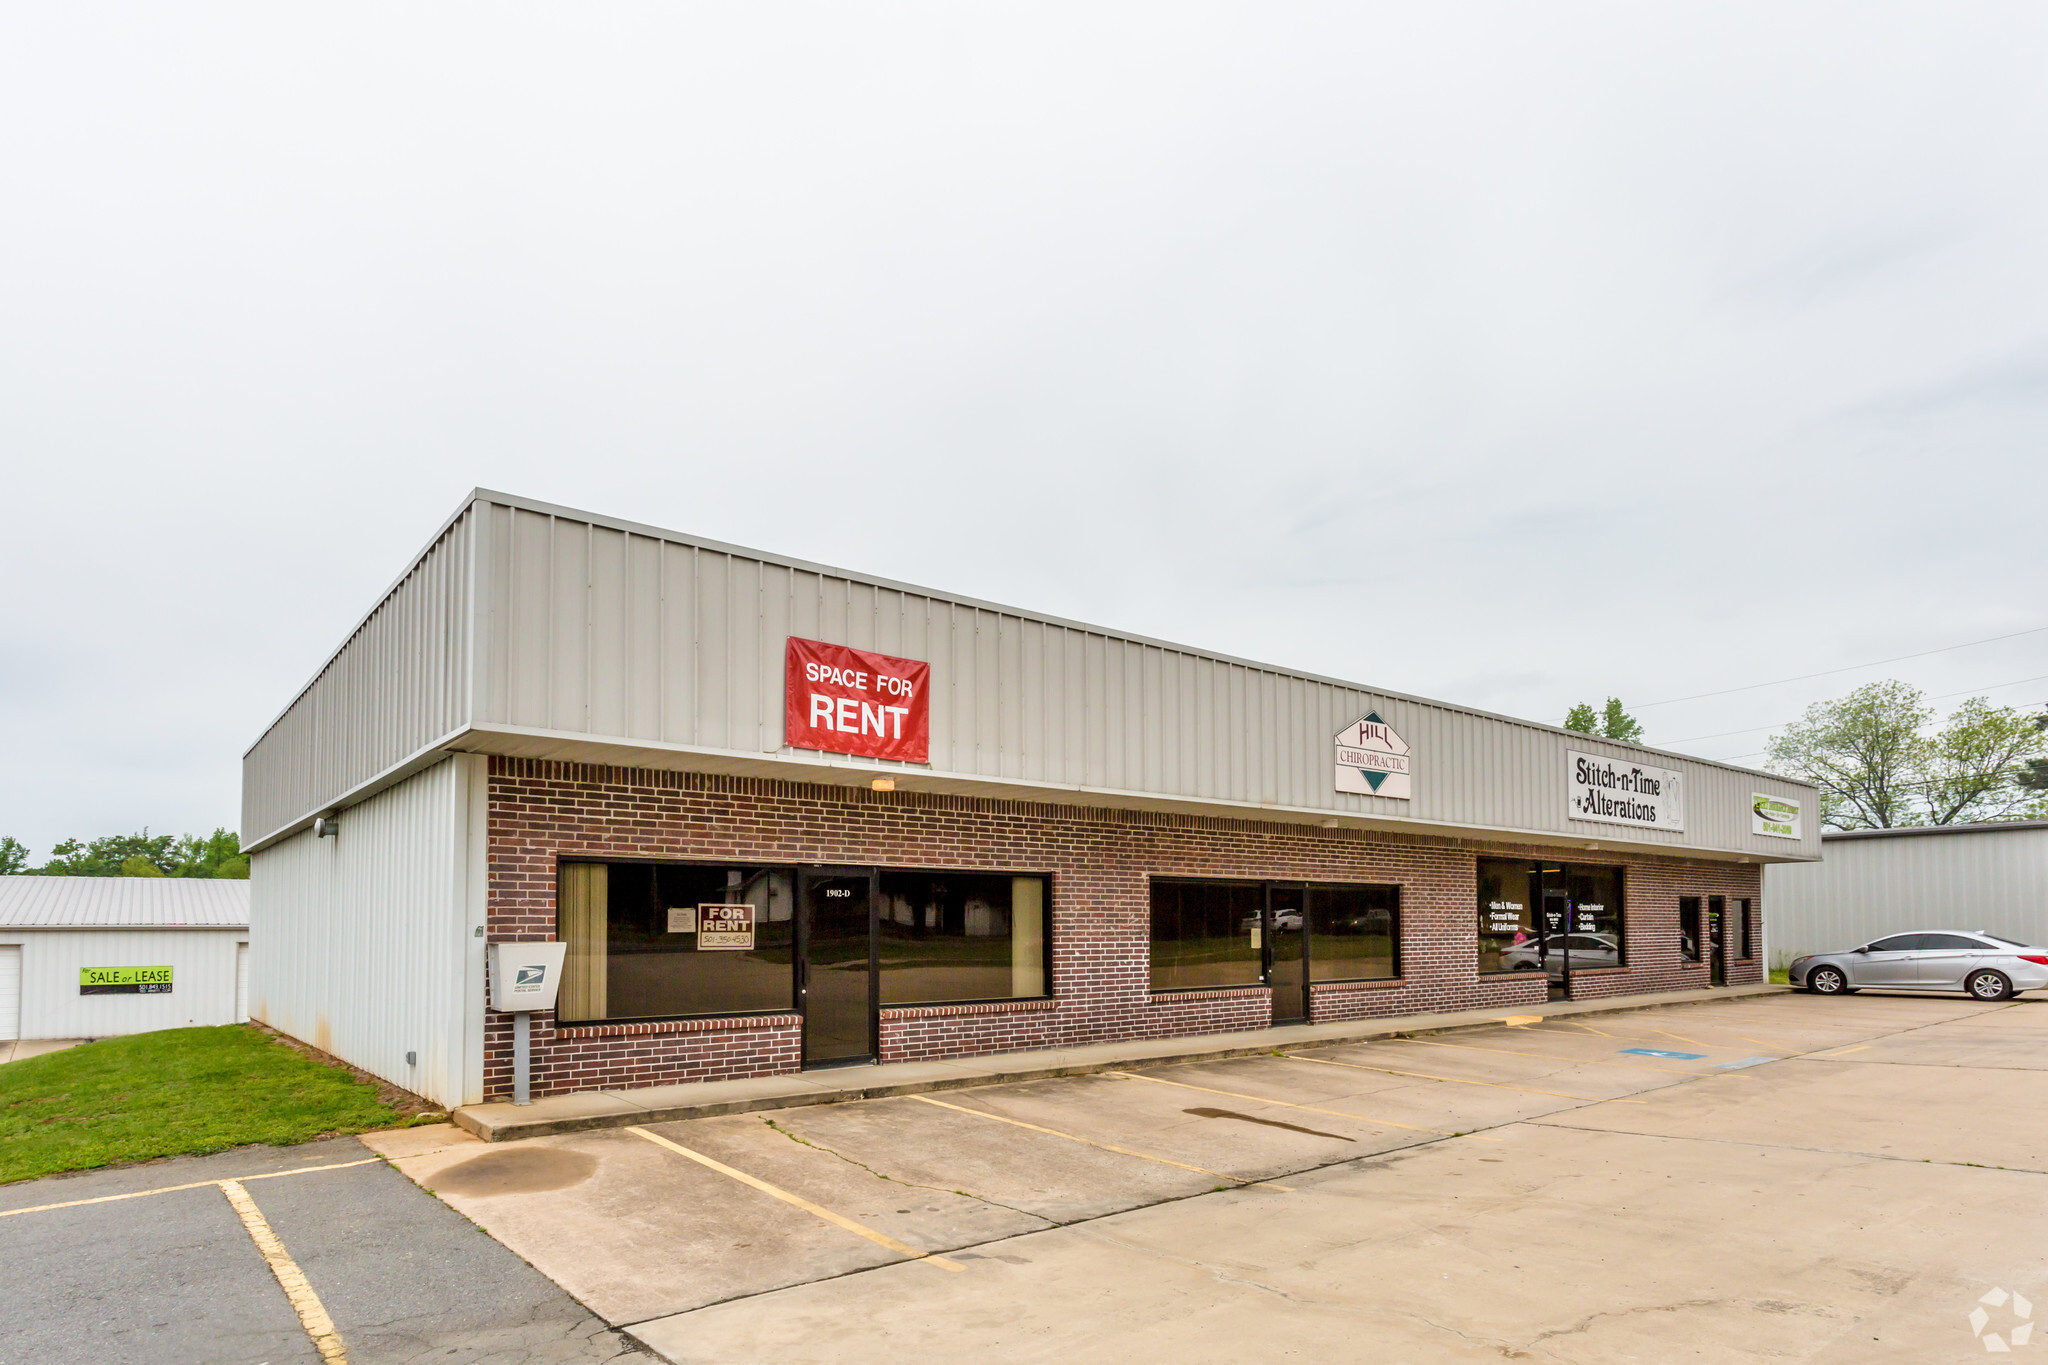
[(1851, 668), (1966, 692)]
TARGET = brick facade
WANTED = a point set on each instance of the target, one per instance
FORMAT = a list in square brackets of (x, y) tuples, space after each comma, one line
[(1099, 861)]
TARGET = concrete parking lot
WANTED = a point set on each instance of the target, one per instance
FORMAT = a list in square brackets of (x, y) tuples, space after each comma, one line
[(1781, 1178), (1775, 1178)]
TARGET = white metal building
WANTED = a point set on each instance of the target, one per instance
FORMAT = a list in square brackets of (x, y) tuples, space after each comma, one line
[(1885, 881), (91, 957)]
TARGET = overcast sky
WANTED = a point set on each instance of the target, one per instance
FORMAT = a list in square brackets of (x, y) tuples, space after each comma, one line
[(1509, 355)]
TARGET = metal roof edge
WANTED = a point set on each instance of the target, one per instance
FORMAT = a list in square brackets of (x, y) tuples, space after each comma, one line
[(539, 507), (798, 765), (1906, 831)]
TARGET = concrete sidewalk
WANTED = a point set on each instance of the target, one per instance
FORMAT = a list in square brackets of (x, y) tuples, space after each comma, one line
[(500, 1121)]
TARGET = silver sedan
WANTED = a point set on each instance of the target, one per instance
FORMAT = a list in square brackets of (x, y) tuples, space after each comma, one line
[(1981, 965)]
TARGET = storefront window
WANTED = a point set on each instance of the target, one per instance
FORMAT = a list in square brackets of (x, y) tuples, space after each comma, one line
[(959, 936), (1506, 919), (643, 945), (1532, 914), (1354, 932), (1596, 916), (1206, 934), (1689, 928), (1748, 943)]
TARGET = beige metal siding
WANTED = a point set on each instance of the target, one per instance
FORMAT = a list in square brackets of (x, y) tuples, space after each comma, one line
[(397, 685), (589, 630), (1994, 879), (361, 944)]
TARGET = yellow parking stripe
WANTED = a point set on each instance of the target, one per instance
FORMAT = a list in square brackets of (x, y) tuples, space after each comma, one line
[(312, 1315), (1587, 1027), (1683, 1039), (1457, 1080), (173, 1189), (836, 1220), (1841, 1051), (1289, 1104), (1091, 1142)]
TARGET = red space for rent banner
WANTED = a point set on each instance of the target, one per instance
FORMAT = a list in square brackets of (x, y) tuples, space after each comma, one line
[(848, 701)]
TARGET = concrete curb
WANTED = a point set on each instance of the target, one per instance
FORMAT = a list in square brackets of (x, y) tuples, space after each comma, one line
[(500, 1121)]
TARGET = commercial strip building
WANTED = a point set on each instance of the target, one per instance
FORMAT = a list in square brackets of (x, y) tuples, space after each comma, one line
[(1875, 882), (784, 815), (92, 957)]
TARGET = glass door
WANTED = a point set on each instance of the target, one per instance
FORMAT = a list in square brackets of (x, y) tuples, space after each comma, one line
[(836, 975), (1554, 925), (1286, 953), (1716, 940)]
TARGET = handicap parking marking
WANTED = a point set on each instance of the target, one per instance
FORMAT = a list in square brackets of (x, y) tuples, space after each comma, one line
[(1667, 1056), (776, 1192), (1746, 1061)]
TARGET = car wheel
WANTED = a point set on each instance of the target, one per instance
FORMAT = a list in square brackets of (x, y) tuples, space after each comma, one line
[(1827, 981), (1988, 986)]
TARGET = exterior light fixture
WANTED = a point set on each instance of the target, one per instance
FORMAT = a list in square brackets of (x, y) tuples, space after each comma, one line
[(325, 827), (883, 784)]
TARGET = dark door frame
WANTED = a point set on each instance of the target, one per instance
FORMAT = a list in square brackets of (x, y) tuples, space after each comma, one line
[(1563, 983), (1270, 934), (800, 960), (1717, 940)]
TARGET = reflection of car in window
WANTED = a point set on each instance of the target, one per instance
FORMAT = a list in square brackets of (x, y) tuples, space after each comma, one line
[(1587, 951), (1284, 922)]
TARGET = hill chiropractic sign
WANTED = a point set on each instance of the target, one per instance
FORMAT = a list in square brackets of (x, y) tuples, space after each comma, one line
[(1615, 791)]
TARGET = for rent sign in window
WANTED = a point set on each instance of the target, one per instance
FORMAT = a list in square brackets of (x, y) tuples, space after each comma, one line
[(848, 701)]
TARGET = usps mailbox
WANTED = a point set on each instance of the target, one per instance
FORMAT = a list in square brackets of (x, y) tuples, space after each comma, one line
[(524, 978)]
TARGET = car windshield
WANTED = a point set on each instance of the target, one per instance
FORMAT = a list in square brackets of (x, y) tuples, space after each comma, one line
[(2001, 938)]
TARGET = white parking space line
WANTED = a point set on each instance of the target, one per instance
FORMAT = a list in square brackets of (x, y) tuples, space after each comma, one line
[(1458, 1080), (1310, 1108), (1091, 1142), (312, 1314), (816, 1211)]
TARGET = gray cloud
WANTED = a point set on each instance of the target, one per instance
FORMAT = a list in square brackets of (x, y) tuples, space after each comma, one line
[(1523, 336)]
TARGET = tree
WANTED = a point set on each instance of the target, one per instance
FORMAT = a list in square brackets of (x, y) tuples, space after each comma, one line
[(1980, 764), (1876, 767), (218, 854), (103, 857), (13, 856), (1610, 722)]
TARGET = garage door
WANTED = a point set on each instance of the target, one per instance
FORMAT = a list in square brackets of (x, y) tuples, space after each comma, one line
[(10, 991), (241, 982)]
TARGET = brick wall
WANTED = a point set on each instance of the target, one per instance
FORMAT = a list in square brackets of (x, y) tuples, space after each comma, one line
[(1100, 862)]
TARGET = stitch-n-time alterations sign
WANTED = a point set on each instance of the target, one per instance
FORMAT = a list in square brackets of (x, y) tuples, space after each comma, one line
[(1372, 760), (1614, 791)]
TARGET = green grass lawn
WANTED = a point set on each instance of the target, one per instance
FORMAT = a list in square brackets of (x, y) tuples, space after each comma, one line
[(173, 1093)]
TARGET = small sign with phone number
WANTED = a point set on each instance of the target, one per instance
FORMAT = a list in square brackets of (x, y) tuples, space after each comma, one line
[(124, 980)]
